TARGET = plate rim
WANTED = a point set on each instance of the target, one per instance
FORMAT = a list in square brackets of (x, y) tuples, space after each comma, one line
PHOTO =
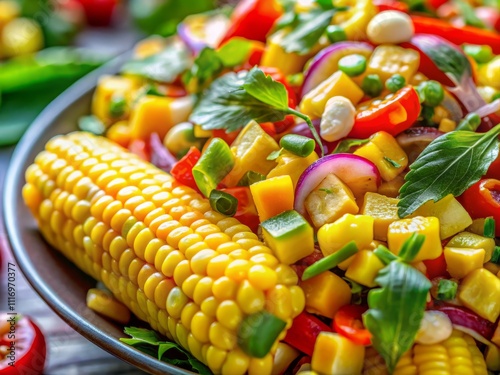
[(11, 189)]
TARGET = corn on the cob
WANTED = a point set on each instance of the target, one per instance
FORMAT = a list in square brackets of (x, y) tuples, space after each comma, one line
[(457, 355), (191, 273)]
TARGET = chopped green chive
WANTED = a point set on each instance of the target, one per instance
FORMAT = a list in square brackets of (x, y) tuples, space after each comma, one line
[(447, 290), (411, 247), (495, 257), (335, 34), (330, 261), (326, 190), (258, 332), (489, 227), (384, 254), (117, 106), (353, 65), (223, 202), (298, 144), (392, 162)]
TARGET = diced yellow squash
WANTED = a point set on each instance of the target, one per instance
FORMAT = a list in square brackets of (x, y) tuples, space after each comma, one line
[(314, 102), (453, 218), (109, 87), (489, 74), (283, 357), (275, 55), (149, 47), (477, 226), (401, 230), (384, 151), (364, 268), (326, 294), (447, 125), (474, 241), (289, 235), (251, 149), (332, 237), (199, 132), (119, 133), (272, 196), (462, 261), (336, 354), (391, 188), (387, 60), (480, 292), (384, 211), (292, 165), (329, 201), (492, 358), (157, 114)]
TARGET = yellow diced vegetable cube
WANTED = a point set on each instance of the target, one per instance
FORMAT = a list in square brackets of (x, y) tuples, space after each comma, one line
[(384, 211), (325, 294), (462, 261), (384, 151), (289, 235), (391, 188), (489, 74), (283, 357), (447, 125), (251, 149), (480, 292), (314, 102), (401, 230), (492, 267), (199, 132), (474, 241), (292, 165), (364, 268), (149, 47), (492, 358), (329, 201), (336, 354), (387, 60), (358, 228), (272, 196), (453, 218)]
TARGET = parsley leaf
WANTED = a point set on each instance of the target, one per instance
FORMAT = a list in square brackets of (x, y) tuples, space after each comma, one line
[(346, 145), (266, 89), (164, 66), (147, 341), (396, 310), (449, 165)]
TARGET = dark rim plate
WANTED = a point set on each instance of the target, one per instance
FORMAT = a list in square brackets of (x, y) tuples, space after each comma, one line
[(57, 281)]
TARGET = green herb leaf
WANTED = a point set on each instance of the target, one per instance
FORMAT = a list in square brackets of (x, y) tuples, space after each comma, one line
[(266, 89), (326, 190), (346, 145), (393, 163), (449, 165), (250, 178), (274, 155), (308, 28), (396, 310), (468, 13), (234, 52), (325, 4), (149, 342), (165, 66), (449, 60)]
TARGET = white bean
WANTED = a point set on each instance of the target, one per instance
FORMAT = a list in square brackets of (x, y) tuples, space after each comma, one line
[(338, 119), (434, 328), (390, 26)]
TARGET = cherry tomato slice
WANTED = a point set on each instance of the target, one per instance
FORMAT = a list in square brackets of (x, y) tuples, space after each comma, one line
[(182, 171), (304, 331), (394, 114), (348, 322)]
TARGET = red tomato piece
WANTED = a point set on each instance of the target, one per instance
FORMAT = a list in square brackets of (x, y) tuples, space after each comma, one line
[(99, 12), (392, 115), (304, 331), (348, 322), (141, 148), (29, 343), (436, 267), (483, 199), (226, 137), (383, 5), (182, 171)]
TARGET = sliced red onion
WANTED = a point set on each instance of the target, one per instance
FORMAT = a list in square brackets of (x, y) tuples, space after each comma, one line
[(358, 173), (202, 30), (488, 109), (325, 63), (414, 140), (160, 156)]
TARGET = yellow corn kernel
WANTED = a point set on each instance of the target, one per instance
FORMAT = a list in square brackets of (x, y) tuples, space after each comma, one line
[(273, 196), (358, 228), (105, 304), (364, 268), (236, 363), (480, 292), (384, 151), (453, 218), (401, 230), (200, 326), (250, 299), (229, 314), (292, 165), (262, 277), (314, 102), (384, 211), (335, 354), (387, 60), (474, 241), (326, 293), (259, 366), (446, 125), (462, 261)]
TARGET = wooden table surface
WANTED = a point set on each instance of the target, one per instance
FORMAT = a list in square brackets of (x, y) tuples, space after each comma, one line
[(68, 352)]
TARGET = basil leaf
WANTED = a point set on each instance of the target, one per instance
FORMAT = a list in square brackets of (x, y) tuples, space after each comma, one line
[(396, 310), (226, 105), (309, 27), (449, 165), (449, 60), (165, 66), (265, 89)]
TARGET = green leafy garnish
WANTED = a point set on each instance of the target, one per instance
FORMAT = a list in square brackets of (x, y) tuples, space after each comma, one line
[(274, 155), (164, 66), (326, 190), (346, 145), (392, 163), (449, 165), (468, 13), (450, 61), (397, 307), (91, 124), (147, 341), (235, 99)]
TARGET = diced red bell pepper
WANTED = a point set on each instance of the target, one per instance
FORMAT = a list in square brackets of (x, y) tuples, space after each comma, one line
[(383, 5), (494, 169), (457, 35), (226, 137), (348, 322), (483, 199), (99, 12), (392, 115), (304, 331), (182, 171), (436, 267), (253, 19)]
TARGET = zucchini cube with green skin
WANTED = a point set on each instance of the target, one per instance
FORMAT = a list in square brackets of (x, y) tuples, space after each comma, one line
[(473, 241), (289, 235)]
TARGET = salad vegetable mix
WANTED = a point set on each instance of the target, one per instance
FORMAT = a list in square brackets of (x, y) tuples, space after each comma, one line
[(307, 187)]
